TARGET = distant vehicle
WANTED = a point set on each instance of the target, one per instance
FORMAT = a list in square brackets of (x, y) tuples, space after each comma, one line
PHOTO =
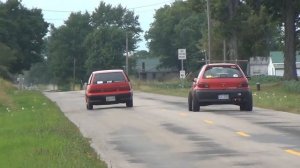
[(220, 83), (108, 87)]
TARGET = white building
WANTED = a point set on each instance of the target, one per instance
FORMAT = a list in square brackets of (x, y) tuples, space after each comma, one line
[(259, 66), (276, 63)]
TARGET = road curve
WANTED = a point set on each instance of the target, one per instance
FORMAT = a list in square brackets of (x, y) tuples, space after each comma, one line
[(159, 132)]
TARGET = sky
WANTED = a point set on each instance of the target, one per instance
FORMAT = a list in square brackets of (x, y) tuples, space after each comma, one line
[(57, 11)]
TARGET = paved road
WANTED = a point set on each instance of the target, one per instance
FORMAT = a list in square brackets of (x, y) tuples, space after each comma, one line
[(159, 132)]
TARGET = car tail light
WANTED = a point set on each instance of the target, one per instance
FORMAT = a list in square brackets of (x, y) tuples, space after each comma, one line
[(244, 85), (202, 85)]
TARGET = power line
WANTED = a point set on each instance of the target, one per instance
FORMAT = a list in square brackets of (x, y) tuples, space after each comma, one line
[(144, 6), (151, 5)]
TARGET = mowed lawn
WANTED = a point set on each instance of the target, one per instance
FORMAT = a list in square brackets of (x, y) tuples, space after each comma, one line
[(34, 133)]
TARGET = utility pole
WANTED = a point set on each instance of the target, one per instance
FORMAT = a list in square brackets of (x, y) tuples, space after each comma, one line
[(74, 65), (224, 51), (208, 31), (126, 53)]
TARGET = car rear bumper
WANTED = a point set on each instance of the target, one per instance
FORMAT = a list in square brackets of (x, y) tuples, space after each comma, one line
[(207, 97), (102, 99)]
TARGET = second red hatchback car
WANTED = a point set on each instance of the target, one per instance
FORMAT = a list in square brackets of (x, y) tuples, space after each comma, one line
[(221, 83), (108, 87)]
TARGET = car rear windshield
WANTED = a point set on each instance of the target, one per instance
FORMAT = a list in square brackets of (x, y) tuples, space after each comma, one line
[(109, 77), (222, 72)]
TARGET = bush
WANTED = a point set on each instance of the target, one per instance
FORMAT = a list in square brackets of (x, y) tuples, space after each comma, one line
[(5, 74)]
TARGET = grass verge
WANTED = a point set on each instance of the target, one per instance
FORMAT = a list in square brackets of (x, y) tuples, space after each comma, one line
[(273, 94), (34, 133)]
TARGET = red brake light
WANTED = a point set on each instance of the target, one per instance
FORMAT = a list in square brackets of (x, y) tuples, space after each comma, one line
[(244, 84), (202, 85)]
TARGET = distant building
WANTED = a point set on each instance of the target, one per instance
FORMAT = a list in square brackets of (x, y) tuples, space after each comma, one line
[(148, 69), (276, 63), (259, 66)]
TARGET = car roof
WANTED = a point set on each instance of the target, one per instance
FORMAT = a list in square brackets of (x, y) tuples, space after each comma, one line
[(108, 71), (221, 64)]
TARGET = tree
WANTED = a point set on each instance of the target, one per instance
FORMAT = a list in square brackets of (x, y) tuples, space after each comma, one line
[(175, 27), (66, 50), (291, 10), (91, 42), (106, 43), (105, 49), (7, 55), (287, 13), (39, 73), (22, 30)]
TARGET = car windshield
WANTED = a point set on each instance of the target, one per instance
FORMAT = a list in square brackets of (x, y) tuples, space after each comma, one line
[(108, 77), (222, 72)]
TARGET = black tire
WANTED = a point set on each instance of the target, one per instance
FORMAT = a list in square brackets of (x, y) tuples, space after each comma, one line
[(89, 106), (129, 103), (248, 104), (190, 102), (195, 104)]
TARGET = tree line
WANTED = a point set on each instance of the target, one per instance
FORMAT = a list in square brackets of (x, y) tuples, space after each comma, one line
[(92, 41), (88, 42), (241, 28)]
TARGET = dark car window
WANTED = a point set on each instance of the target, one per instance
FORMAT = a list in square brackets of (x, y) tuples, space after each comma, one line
[(108, 77), (222, 72)]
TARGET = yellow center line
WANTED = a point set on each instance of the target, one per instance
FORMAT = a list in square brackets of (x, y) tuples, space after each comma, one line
[(293, 152), (208, 122), (183, 114), (241, 133)]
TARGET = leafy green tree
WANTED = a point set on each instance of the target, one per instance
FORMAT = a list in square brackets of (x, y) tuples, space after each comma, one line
[(176, 26), (22, 30), (107, 43), (105, 49), (91, 42), (286, 12), (259, 34), (7, 55), (66, 50), (246, 31)]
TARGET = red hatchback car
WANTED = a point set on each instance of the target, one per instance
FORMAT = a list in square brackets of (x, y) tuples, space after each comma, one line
[(108, 87), (221, 83)]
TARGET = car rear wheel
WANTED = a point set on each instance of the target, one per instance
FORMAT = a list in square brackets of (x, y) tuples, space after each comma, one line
[(129, 103), (195, 104), (190, 102), (248, 104), (89, 106)]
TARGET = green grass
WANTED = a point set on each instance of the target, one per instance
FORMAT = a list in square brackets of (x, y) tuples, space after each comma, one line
[(277, 97), (34, 133), (274, 94)]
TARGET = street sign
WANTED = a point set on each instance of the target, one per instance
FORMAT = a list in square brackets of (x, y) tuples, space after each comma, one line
[(182, 54), (182, 74)]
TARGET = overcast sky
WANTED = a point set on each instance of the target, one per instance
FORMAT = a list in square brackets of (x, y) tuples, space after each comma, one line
[(56, 11)]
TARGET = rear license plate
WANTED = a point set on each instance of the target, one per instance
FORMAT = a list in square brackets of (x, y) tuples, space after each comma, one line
[(223, 96), (110, 98)]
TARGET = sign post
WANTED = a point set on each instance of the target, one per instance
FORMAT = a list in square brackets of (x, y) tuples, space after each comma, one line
[(182, 56)]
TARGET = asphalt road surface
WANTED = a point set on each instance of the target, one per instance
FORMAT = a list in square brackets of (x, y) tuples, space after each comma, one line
[(159, 132)]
